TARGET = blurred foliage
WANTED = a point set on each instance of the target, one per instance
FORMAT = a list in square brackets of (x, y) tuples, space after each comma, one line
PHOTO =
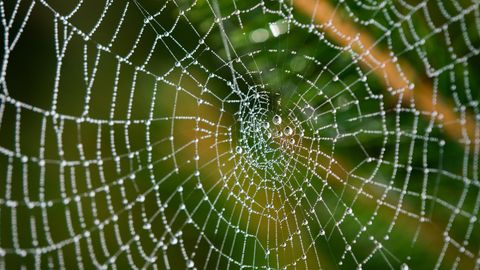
[(300, 69)]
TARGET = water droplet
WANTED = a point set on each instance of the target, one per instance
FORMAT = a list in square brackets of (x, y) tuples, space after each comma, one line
[(288, 131), (239, 149), (190, 264), (308, 111), (292, 141), (266, 125), (277, 120)]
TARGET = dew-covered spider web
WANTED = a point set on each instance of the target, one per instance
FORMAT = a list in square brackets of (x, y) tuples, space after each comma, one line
[(228, 134)]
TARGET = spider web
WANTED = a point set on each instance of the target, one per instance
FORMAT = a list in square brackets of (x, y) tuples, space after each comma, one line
[(240, 134)]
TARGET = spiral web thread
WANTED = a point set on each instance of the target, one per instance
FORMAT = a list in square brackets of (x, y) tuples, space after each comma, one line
[(174, 134)]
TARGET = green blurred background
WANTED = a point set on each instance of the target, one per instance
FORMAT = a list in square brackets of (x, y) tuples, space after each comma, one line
[(121, 124)]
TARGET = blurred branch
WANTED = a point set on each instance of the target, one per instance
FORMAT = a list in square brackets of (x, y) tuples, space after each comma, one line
[(396, 74), (367, 197)]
